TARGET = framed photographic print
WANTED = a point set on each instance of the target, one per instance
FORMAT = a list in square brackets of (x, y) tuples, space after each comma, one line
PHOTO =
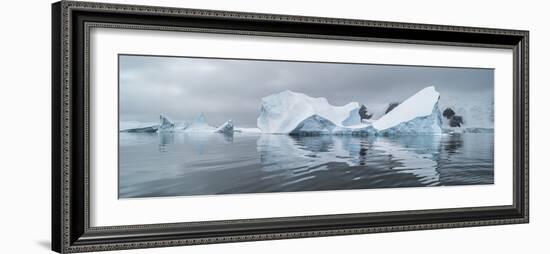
[(182, 126)]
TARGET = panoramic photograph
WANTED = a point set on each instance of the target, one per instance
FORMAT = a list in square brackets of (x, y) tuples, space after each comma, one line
[(213, 126)]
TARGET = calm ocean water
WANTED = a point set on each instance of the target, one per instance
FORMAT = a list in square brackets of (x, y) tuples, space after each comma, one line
[(179, 164)]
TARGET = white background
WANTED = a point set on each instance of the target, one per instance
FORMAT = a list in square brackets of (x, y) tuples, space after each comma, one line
[(25, 128)]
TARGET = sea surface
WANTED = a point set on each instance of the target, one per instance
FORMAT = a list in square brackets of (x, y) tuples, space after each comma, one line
[(181, 164)]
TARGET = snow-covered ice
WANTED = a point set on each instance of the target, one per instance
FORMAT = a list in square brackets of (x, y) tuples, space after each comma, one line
[(430, 124), (283, 112), (420, 104), (299, 114), (143, 129), (314, 124), (138, 127), (166, 124), (295, 113), (199, 125), (477, 112), (226, 128), (418, 114), (377, 110)]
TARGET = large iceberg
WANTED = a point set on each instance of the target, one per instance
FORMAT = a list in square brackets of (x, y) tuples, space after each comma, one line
[(283, 112), (298, 114), (418, 114), (379, 110)]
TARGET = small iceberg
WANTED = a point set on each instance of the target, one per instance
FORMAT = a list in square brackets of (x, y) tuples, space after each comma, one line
[(226, 128), (146, 129), (166, 124), (138, 127), (199, 125)]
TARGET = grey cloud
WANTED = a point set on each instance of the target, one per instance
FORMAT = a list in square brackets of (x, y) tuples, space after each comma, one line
[(232, 89)]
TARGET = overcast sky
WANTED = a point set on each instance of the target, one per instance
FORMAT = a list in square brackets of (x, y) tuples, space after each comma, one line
[(223, 89)]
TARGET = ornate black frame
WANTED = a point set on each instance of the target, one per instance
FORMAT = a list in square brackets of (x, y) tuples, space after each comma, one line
[(71, 22)]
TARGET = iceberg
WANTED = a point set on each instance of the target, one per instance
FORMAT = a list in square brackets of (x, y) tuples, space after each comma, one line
[(199, 125), (138, 127), (314, 125), (298, 114), (317, 125), (226, 128), (283, 112), (166, 124), (144, 129), (430, 124), (375, 110), (477, 113), (353, 118), (419, 114)]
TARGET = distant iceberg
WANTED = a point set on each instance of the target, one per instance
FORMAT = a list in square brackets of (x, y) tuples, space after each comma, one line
[(226, 128), (138, 127), (145, 129), (166, 124), (476, 113), (199, 125)]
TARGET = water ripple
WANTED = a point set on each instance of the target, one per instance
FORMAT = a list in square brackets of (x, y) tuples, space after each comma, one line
[(173, 164)]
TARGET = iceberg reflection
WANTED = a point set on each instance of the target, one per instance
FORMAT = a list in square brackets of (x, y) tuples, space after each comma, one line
[(176, 163), (416, 155)]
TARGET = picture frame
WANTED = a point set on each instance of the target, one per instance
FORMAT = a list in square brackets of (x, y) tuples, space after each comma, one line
[(71, 196)]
